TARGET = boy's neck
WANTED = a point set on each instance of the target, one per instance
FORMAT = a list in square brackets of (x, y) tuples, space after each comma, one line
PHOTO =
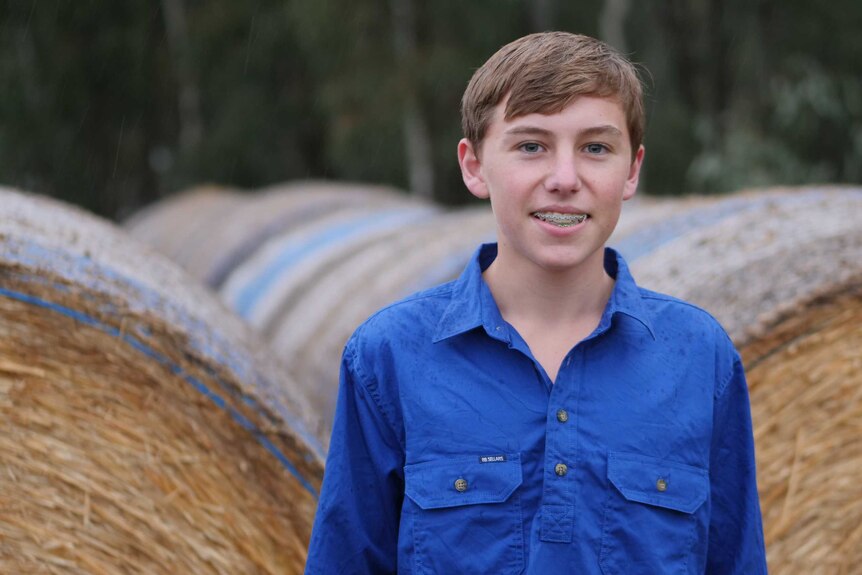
[(528, 298)]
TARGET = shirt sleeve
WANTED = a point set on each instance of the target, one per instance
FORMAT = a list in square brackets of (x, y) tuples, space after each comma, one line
[(356, 526), (735, 531)]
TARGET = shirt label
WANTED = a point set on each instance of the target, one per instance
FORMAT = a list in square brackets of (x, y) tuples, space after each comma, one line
[(492, 458)]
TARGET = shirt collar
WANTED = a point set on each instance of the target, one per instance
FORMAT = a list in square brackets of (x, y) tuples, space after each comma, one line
[(472, 304), (626, 298)]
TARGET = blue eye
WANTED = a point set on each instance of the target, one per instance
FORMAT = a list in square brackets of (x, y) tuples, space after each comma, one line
[(596, 148), (530, 147)]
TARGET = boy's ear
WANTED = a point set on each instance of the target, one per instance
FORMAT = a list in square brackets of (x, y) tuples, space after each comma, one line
[(471, 169), (631, 185)]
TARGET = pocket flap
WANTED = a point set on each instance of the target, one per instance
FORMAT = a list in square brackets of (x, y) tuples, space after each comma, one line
[(432, 484), (658, 482)]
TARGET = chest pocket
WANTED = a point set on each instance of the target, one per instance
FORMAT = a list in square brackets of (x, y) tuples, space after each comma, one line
[(650, 522), (467, 515)]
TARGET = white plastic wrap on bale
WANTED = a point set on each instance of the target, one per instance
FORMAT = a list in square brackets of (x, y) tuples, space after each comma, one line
[(754, 255), (642, 214), (285, 268), (232, 237), (181, 226)]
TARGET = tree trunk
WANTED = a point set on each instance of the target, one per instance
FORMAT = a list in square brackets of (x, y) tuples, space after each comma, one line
[(542, 15), (612, 22), (417, 140), (191, 129)]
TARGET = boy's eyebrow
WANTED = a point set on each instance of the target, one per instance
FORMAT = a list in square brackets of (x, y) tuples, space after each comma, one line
[(529, 130), (604, 129)]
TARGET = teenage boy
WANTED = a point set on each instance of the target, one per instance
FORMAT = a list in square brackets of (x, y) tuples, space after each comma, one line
[(543, 414)]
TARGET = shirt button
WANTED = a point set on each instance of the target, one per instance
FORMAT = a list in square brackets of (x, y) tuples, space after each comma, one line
[(461, 485), (562, 415), (561, 469), (661, 485)]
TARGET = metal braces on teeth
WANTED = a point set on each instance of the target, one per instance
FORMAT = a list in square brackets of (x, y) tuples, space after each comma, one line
[(562, 220)]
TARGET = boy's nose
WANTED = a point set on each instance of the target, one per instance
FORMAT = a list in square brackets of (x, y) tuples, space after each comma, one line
[(563, 175)]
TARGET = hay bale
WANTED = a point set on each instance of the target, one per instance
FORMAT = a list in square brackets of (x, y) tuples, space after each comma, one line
[(232, 235), (178, 225), (745, 257), (285, 268), (646, 224), (642, 217), (144, 428), (805, 380)]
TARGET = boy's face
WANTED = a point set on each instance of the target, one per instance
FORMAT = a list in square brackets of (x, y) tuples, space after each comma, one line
[(556, 182)]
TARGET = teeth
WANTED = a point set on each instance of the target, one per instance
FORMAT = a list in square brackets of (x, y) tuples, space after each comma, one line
[(562, 220)]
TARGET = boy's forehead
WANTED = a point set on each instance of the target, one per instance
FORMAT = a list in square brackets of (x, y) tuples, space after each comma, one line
[(499, 120)]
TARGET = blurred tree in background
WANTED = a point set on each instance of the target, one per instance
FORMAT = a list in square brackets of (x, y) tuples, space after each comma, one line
[(114, 105)]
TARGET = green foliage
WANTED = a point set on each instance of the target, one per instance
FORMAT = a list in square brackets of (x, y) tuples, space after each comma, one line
[(767, 94), (740, 93), (260, 125), (75, 94)]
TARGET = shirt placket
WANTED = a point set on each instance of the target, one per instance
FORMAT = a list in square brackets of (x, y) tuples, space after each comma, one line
[(561, 454)]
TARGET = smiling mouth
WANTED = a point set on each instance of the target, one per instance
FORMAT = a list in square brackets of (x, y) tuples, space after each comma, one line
[(560, 220)]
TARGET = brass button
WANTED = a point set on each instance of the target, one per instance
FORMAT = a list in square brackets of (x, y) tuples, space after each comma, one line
[(461, 485), (562, 415), (561, 469), (661, 485)]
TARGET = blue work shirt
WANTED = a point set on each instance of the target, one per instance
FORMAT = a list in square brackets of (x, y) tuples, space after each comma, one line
[(452, 451)]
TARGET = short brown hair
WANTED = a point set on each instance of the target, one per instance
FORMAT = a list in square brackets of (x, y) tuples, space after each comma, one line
[(546, 72)]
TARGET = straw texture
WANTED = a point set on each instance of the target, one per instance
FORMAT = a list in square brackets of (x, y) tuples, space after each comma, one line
[(805, 380), (142, 429)]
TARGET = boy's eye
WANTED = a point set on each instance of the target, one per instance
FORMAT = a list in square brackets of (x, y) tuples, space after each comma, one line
[(530, 147), (596, 148)]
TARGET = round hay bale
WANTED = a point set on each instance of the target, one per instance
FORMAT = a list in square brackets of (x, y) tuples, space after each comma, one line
[(286, 267), (744, 258), (232, 236), (805, 380), (642, 215), (647, 224), (178, 225), (144, 428)]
